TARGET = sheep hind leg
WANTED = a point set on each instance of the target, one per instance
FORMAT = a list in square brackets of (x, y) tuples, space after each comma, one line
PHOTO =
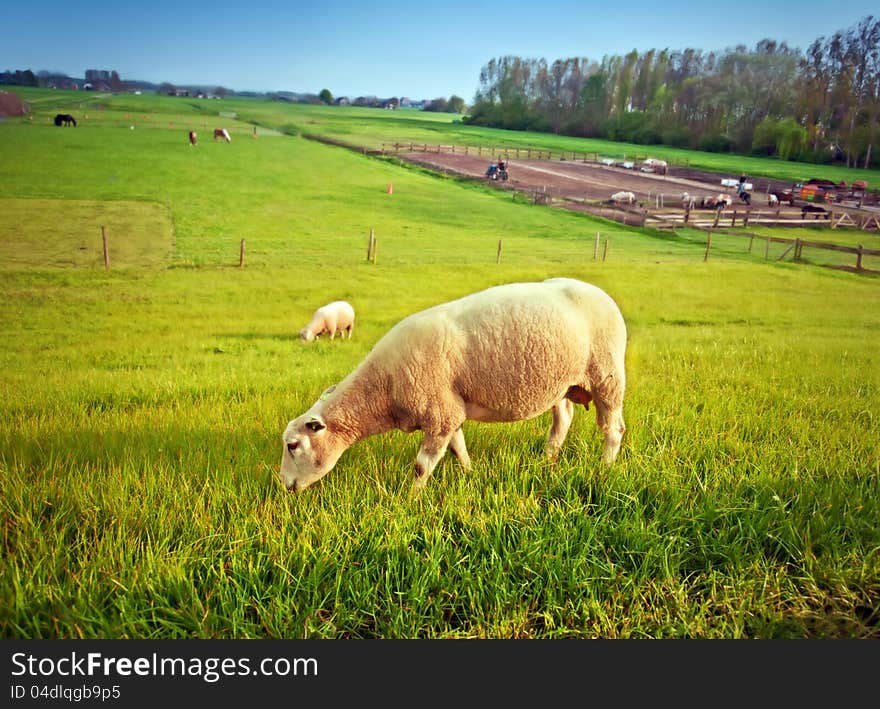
[(563, 413), (608, 397), (609, 418)]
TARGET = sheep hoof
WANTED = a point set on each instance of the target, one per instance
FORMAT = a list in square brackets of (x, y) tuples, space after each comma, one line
[(420, 479)]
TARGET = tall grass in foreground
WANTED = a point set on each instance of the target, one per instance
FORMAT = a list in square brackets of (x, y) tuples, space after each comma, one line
[(142, 410), (140, 496)]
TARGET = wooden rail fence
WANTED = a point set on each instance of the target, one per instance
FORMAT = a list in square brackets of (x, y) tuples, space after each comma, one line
[(795, 246), (508, 152)]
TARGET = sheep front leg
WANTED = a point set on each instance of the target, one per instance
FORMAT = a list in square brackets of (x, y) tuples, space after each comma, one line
[(431, 451), (563, 412), (458, 448)]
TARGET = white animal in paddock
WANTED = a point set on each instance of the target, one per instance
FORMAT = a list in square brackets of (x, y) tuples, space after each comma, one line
[(334, 317), (687, 202), (772, 200), (623, 198), (720, 201), (223, 134), (659, 166), (507, 353)]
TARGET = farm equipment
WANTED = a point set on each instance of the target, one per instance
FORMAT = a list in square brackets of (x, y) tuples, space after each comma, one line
[(497, 172), (815, 191)]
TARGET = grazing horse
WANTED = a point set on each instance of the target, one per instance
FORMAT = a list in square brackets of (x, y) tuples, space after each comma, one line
[(780, 196), (65, 119), (816, 210), (193, 137), (223, 134)]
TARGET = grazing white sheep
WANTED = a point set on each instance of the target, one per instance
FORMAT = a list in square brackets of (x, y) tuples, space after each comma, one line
[(334, 317), (772, 200), (623, 198), (507, 353)]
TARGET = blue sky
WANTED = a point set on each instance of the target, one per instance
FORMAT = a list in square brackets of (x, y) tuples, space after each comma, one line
[(382, 48)]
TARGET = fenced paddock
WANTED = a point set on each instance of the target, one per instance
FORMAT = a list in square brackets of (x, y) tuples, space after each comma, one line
[(584, 182)]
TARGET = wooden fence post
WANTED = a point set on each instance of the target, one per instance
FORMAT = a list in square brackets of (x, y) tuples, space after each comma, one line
[(241, 254), (596, 248), (498, 255), (717, 217), (859, 257), (751, 239), (708, 246), (605, 252), (106, 252), (371, 246)]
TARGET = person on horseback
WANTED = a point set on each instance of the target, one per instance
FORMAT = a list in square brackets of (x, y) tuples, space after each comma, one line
[(741, 191)]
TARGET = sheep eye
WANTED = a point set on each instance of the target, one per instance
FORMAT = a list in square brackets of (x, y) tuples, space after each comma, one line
[(315, 426), (292, 446)]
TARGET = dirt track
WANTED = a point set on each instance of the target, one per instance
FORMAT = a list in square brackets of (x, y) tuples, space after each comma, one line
[(590, 181)]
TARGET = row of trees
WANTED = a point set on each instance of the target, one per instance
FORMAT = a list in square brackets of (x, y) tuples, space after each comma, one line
[(105, 80), (454, 104), (819, 105)]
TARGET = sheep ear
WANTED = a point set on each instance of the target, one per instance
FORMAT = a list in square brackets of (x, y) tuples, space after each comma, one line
[(315, 425)]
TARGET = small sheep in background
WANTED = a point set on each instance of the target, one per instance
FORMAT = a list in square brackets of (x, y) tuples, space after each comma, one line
[(334, 317)]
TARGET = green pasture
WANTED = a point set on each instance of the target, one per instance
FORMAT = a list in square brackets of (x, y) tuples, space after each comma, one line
[(142, 408), (370, 128)]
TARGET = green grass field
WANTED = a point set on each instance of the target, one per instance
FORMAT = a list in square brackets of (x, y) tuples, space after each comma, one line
[(142, 407)]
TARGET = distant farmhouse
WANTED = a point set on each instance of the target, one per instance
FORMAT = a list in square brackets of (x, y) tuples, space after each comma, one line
[(98, 80)]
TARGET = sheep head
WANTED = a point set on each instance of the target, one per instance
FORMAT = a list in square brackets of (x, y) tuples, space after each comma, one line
[(310, 447)]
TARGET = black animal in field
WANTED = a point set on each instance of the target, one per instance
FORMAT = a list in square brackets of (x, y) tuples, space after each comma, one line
[(65, 119), (816, 210)]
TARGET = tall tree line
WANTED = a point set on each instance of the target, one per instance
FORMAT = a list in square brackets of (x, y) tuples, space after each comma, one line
[(818, 105)]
